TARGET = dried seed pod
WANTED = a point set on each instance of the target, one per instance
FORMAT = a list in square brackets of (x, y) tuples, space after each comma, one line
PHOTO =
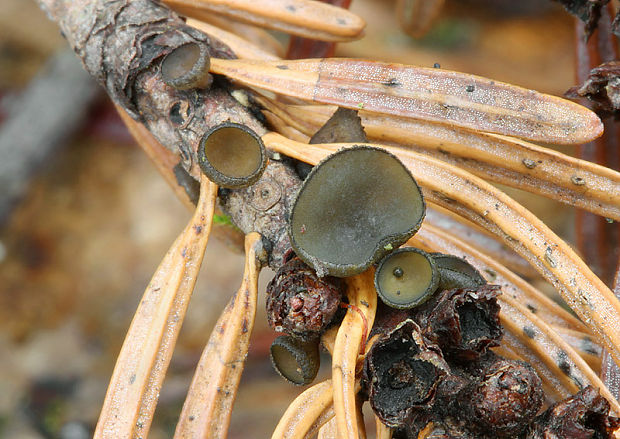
[(406, 278), (295, 360), (584, 415), (504, 401), (402, 372), (463, 322), (343, 126), (299, 302), (455, 272), (232, 155), (354, 207), (187, 67)]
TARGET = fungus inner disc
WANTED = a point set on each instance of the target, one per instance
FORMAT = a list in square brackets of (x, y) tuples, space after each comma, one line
[(288, 364), (233, 152), (352, 206), (416, 275), (180, 61)]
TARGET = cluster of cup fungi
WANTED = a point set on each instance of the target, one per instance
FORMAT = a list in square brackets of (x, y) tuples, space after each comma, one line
[(427, 363)]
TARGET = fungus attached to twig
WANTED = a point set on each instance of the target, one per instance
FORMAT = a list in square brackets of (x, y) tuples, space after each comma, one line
[(406, 278), (402, 372), (455, 272), (355, 206), (295, 360), (463, 322), (299, 302), (187, 67), (232, 155)]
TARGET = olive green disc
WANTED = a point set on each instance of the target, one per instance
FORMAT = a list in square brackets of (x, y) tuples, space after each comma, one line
[(406, 278), (355, 206), (295, 360), (187, 67), (232, 155)]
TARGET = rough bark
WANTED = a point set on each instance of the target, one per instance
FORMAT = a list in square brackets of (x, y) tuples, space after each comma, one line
[(122, 43)]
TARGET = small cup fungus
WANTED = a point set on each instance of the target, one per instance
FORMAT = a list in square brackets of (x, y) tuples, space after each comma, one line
[(455, 272), (187, 67), (232, 155), (295, 360), (406, 278), (353, 208)]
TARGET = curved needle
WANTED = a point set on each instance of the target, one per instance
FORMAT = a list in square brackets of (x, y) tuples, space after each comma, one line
[(329, 430), (432, 238), (501, 159), (243, 48), (435, 95), (305, 18), (307, 413), (383, 431), (142, 363), (362, 295), (208, 405), (473, 198)]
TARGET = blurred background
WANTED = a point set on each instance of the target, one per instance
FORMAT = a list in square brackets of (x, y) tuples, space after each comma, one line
[(82, 232)]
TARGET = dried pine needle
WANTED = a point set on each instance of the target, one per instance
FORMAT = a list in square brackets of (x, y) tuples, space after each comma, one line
[(421, 93), (501, 159), (243, 48), (142, 363), (349, 339), (329, 430), (434, 239), (208, 405), (382, 430), (300, 418), (416, 17), (304, 18)]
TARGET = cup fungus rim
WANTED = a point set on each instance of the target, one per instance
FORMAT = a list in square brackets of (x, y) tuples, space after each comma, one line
[(192, 78), (311, 364), (383, 247), (426, 295), (218, 177)]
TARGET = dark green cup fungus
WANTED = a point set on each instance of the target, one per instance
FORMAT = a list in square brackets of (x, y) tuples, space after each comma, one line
[(406, 278), (355, 206), (455, 272), (187, 67), (295, 360), (232, 155)]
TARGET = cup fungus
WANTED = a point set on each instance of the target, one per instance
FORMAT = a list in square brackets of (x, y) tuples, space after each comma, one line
[(232, 155), (187, 67), (455, 272), (296, 360), (584, 415), (406, 278), (353, 208), (402, 372), (463, 322)]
